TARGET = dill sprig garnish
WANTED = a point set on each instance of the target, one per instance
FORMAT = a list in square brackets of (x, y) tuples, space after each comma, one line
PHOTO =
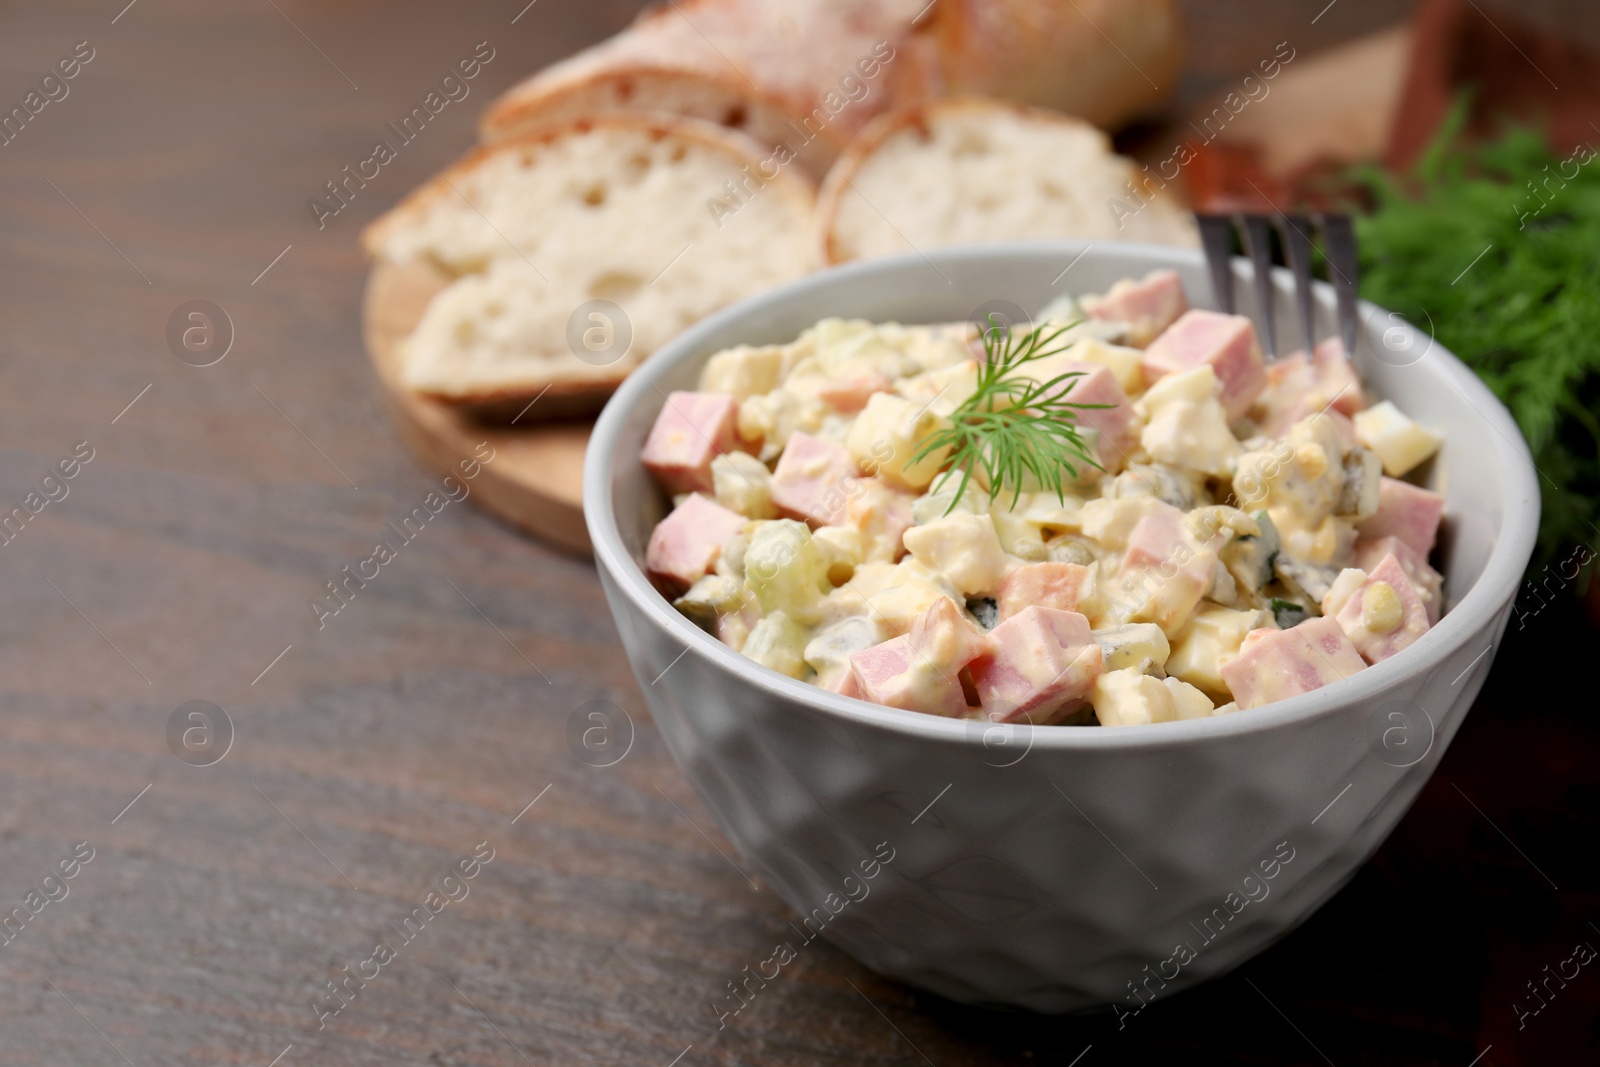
[(1013, 425)]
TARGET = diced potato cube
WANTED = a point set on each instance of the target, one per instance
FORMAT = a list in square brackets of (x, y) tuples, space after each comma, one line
[(964, 548), (1130, 698), (1211, 639), (743, 484), (1123, 362), (888, 433), (1400, 443), (744, 371)]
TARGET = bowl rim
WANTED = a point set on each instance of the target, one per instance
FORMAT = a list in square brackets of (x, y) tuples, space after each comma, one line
[(1490, 594)]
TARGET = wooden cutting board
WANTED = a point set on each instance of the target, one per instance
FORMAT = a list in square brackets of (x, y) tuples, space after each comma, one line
[(534, 482)]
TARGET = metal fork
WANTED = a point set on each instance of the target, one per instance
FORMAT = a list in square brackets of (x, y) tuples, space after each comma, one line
[(1338, 247)]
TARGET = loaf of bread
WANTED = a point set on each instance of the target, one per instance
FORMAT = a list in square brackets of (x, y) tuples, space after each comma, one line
[(807, 74), (977, 171), (1103, 61), (575, 251)]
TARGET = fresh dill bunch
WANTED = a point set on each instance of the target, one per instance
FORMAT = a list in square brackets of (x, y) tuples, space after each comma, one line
[(1013, 425), (1525, 316)]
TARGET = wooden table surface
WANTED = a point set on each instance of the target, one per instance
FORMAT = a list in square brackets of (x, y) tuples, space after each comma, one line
[(418, 725)]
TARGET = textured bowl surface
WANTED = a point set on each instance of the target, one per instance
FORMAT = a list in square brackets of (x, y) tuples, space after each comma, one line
[(1061, 868)]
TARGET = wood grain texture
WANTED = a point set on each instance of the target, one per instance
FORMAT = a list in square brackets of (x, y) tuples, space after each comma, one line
[(536, 478), (373, 753)]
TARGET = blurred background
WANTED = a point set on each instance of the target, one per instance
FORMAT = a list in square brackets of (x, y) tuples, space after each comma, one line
[(342, 769)]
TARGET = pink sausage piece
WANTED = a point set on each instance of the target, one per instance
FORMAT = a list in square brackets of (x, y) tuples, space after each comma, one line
[(1406, 512), (809, 480), (1226, 342), (691, 431), (1279, 664), (1041, 664), (686, 543)]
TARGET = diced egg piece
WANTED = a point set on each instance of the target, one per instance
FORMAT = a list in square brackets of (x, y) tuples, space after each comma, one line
[(1187, 426), (1400, 443), (1130, 698)]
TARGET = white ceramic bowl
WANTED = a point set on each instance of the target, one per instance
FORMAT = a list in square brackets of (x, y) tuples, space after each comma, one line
[(1060, 868)]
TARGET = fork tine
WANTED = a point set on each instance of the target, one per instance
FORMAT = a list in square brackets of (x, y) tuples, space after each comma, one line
[(1339, 237), (1296, 233), (1216, 237), (1258, 240)]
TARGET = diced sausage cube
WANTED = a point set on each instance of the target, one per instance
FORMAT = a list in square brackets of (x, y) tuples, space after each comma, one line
[(891, 674), (1163, 573), (1406, 512), (1279, 664), (850, 395), (686, 543), (809, 480), (1148, 306), (691, 431), (1115, 425), (1386, 614), (1041, 665), (1063, 586), (1298, 387), (1226, 342), (1429, 582), (921, 670)]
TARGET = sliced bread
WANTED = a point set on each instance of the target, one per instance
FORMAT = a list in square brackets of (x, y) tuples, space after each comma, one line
[(666, 219), (807, 74), (977, 171), (1101, 60)]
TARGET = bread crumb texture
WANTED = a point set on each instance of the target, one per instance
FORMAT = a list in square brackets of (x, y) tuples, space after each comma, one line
[(538, 227)]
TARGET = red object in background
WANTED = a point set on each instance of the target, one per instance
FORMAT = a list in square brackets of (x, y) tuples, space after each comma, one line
[(1519, 72), (1229, 178)]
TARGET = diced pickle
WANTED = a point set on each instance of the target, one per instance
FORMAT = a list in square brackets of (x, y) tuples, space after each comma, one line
[(785, 570), (1250, 559), (710, 598), (777, 641)]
